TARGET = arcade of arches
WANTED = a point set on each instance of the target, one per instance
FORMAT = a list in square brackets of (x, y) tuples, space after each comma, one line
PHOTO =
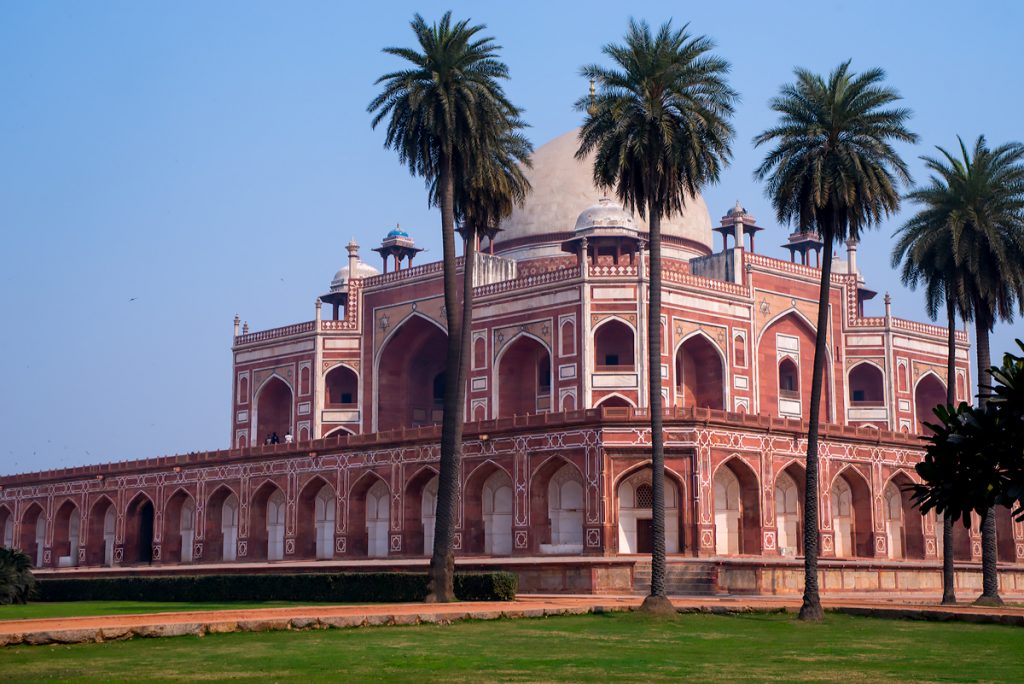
[(560, 492)]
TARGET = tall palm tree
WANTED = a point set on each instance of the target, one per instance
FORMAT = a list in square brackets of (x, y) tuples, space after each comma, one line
[(925, 249), (979, 196), (441, 109), (832, 169), (659, 125)]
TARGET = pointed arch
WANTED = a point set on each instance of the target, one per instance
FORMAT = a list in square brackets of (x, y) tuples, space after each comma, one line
[(33, 532), (420, 514), (179, 527), (6, 527), (904, 524), (67, 532), (865, 381), (615, 400), (557, 506), (221, 524), (368, 516), (793, 398), (929, 392), (737, 508), (341, 386), (100, 534), (273, 409), (485, 519), (407, 367), (316, 513), (789, 508), (139, 522), (701, 372), (633, 510), (850, 498), (266, 522), (523, 380), (614, 345)]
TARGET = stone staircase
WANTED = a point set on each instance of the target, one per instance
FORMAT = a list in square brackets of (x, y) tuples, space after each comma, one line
[(682, 579)]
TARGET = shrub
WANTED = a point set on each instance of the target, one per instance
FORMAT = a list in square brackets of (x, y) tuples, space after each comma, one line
[(370, 587), (16, 580)]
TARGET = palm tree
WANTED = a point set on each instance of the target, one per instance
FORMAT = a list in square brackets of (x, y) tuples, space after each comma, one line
[(979, 199), (832, 169), (442, 110), (659, 125), (925, 249)]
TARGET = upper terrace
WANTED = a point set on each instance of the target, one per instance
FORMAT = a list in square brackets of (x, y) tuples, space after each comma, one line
[(496, 275)]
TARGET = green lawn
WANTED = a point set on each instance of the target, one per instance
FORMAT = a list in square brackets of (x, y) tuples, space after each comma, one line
[(82, 608), (756, 647)]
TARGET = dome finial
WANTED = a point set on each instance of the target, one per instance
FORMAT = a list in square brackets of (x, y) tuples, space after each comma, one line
[(592, 109)]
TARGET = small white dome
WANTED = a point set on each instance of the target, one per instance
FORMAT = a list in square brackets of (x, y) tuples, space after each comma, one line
[(363, 270), (605, 214)]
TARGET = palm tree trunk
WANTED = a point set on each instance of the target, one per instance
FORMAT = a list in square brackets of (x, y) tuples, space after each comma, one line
[(811, 608), (989, 571), (656, 602), (948, 575), (442, 562)]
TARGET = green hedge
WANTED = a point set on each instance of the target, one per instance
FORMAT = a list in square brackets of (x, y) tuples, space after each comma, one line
[(352, 587)]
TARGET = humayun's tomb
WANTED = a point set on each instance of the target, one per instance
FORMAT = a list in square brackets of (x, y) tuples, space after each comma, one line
[(555, 481)]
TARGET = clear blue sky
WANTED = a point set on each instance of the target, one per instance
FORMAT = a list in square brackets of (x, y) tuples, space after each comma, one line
[(164, 166)]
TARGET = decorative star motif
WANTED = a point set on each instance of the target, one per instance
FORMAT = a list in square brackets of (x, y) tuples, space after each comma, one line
[(414, 306), (544, 329), (501, 337), (444, 311), (765, 307), (384, 322)]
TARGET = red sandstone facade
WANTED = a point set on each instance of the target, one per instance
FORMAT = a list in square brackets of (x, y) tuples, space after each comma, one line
[(556, 456)]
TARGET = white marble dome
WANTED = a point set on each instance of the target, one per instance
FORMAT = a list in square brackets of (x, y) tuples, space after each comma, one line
[(363, 270), (564, 187), (607, 213)]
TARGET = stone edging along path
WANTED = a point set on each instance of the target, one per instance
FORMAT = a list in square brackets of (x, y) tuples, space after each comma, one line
[(117, 628), (97, 629)]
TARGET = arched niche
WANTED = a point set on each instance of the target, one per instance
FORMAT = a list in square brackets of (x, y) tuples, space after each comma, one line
[(317, 506), (341, 387), (634, 498), (489, 506), (421, 511), (737, 509), (928, 393), (410, 375), (789, 522), (700, 373), (33, 533), (266, 523), (179, 528), (66, 535), (904, 528), (557, 507), (369, 505), (851, 515), (614, 346), (867, 385), (524, 378), (274, 409), (138, 530), (221, 531)]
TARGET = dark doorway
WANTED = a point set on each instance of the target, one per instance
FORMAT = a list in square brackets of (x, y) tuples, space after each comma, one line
[(644, 536)]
